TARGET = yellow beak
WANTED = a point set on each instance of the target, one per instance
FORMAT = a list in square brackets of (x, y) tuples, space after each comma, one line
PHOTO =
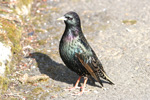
[(62, 18)]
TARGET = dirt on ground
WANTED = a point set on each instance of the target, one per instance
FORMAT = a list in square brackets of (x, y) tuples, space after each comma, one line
[(117, 30)]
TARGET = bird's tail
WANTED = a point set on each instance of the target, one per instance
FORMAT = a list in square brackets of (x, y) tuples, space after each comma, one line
[(104, 76)]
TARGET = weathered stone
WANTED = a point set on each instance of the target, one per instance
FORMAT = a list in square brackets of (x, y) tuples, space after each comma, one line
[(5, 57)]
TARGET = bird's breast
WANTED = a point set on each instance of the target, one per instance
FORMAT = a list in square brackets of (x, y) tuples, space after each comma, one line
[(69, 49)]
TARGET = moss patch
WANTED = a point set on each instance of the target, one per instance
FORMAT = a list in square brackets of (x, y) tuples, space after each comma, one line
[(41, 42), (44, 95), (55, 89), (3, 38), (10, 35), (37, 90), (13, 33), (24, 2), (4, 84), (129, 22)]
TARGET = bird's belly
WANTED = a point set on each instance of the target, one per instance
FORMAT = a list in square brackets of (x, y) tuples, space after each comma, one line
[(71, 60)]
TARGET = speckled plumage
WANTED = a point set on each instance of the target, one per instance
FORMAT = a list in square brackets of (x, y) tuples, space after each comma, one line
[(76, 53)]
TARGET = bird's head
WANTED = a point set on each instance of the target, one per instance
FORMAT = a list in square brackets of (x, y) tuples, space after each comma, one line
[(71, 19)]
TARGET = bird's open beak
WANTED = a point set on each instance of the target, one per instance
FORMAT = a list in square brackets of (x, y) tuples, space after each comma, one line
[(62, 18)]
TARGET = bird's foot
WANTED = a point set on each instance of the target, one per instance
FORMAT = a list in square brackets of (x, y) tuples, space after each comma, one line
[(80, 93)]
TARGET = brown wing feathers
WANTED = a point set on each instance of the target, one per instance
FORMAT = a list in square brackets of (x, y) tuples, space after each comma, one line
[(89, 69)]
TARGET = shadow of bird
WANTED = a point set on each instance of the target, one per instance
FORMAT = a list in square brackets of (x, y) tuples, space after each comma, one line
[(55, 70)]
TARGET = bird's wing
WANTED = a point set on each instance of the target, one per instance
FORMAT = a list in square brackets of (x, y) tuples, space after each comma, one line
[(90, 61), (90, 65), (93, 66)]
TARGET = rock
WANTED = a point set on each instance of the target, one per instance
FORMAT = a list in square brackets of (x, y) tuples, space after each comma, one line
[(5, 57), (33, 79), (24, 78)]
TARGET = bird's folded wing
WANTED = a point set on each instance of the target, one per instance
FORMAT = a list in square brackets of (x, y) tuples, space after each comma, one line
[(87, 64)]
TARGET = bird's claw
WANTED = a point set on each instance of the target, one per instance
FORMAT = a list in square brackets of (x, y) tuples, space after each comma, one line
[(80, 93)]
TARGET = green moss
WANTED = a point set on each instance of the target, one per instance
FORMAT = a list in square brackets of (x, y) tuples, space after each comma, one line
[(56, 37), (2, 38), (41, 42), (37, 90), (39, 30), (50, 29), (30, 97), (38, 18), (11, 36), (44, 95), (43, 6), (13, 33), (129, 22), (7, 71), (55, 89), (11, 98), (4, 84)]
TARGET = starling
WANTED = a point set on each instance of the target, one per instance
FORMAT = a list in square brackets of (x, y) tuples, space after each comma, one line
[(77, 54)]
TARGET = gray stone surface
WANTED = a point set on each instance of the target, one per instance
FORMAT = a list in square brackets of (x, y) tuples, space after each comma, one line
[(118, 31), (123, 48)]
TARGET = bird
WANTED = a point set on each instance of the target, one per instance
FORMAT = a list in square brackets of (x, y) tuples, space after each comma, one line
[(77, 54)]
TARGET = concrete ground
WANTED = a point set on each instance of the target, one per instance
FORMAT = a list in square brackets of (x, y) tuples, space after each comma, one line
[(119, 33)]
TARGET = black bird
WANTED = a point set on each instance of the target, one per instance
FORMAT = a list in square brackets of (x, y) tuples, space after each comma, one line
[(77, 54)]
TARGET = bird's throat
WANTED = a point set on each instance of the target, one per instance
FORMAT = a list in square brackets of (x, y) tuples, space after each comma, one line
[(71, 34), (70, 37)]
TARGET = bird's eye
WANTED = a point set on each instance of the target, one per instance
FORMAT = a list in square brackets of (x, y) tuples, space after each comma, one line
[(69, 18)]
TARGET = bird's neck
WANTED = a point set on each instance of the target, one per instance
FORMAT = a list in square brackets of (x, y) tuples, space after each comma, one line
[(71, 33)]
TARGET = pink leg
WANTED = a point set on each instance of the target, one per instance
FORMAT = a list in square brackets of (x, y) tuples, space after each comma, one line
[(83, 87), (76, 85)]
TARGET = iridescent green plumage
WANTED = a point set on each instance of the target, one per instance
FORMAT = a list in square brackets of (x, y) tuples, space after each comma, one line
[(77, 53)]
